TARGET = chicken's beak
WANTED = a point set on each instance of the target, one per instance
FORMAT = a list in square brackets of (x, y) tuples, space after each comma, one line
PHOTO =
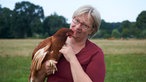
[(70, 33)]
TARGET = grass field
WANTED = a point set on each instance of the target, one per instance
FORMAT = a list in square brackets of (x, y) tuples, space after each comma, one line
[(125, 59)]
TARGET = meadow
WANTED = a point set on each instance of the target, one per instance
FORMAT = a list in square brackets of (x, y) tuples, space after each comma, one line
[(125, 59)]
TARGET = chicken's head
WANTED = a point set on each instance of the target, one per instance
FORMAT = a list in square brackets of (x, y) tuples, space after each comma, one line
[(64, 32)]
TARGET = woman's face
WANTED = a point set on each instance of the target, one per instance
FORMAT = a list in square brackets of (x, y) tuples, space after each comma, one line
[(81, 26)]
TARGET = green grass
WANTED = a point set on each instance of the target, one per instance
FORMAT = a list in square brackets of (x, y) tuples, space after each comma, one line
[(125, 68), (125, 59), (14, 69)]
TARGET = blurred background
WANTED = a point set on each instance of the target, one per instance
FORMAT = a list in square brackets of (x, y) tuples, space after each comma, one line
[(121, 19)]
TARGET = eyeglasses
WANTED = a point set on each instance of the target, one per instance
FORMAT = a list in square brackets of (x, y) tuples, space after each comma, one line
[(76, 22)]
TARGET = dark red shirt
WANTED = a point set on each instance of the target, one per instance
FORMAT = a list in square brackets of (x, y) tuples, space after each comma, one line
[(91, 59)]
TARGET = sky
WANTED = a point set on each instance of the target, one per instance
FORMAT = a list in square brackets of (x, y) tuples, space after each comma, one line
[(110, 10)]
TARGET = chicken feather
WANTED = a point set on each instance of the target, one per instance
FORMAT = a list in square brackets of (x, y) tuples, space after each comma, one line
[(47, 51)]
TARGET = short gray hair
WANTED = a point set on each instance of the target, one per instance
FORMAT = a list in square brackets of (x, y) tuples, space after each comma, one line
[(92, 12)]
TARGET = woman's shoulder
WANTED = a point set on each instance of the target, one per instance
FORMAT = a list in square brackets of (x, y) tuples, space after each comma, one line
[(94, 49), (91, 48), (92, 45)]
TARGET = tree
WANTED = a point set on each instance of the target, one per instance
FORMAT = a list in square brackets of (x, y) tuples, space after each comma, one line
[(52, 23), (106, 29), (37, 28), (141, 20), (143, 34), (125, 29), (5, 22), (116, 33), (141, 23), (133, 30), (25, 16)]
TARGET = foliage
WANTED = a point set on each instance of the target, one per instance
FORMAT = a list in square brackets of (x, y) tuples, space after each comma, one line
[(52, 23), (116, 33), (5, 22), (141, 20), (106, 29), (27, 18), (27, 21), (125, 29), (141, 23)]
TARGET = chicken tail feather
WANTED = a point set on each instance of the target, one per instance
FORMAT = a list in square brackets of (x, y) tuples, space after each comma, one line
[(38, 58)]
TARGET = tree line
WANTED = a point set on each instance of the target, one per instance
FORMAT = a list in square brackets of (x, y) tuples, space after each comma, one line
[(27, 20)]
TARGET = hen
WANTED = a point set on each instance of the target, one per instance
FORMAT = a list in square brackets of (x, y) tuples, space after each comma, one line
[(47, 51)]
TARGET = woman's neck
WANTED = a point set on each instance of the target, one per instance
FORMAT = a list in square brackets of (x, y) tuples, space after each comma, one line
[(76, 42), (76, 45)]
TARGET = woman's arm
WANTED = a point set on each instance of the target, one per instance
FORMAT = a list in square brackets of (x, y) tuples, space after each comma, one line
[(77, 72)]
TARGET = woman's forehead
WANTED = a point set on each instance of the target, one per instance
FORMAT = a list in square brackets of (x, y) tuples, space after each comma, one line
[(86, 18)]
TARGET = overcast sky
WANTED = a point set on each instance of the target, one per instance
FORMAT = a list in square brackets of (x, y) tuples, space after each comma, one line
[(110, 10)]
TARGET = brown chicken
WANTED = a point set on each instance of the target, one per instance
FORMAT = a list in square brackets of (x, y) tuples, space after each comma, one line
[(47, 51)]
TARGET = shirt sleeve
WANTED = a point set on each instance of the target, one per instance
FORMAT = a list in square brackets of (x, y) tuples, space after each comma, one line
[(96, 67)]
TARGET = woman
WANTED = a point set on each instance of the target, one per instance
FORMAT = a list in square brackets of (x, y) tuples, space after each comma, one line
[(82, 60)]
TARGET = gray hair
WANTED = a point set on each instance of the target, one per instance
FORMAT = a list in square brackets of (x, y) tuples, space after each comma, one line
[(92, 12)]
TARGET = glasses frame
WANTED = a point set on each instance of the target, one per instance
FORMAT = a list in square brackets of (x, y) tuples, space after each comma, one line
[(83, 25)]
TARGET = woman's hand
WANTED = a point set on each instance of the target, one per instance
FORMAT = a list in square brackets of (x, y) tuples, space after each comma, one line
[(68, 52)]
